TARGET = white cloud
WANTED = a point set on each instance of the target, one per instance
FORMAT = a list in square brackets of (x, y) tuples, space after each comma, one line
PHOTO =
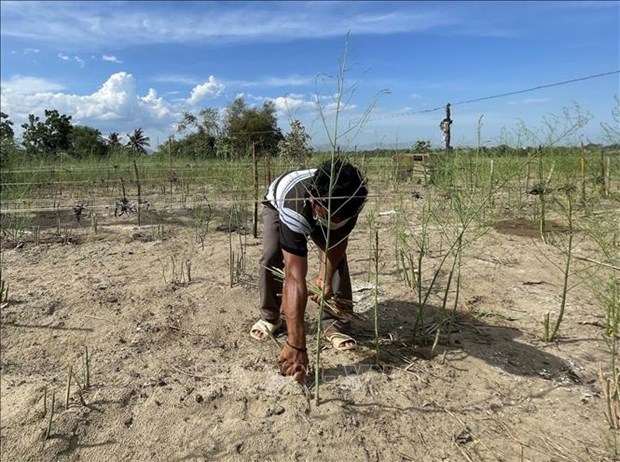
[(77, 59), (274, 82), (156, 106), (23, 85), (333, 106), (27, 51), (112, 59), (210, 89), (285, 106), (175, 78), (95, 24), (116, 106), (291, 81), (291, 104)]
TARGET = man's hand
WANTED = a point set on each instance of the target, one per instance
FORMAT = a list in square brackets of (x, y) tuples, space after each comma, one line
[(293, 363), (326, 289)]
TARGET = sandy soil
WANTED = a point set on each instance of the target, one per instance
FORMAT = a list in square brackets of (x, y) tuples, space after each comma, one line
[(174, 375)]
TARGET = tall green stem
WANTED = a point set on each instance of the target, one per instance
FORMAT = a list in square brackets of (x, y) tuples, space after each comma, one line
[(566, 269)]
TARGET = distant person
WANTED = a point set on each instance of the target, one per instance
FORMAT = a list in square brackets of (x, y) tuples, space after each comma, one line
[(295, 210)]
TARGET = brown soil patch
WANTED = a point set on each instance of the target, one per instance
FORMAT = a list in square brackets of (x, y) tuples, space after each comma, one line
[(526, 228)]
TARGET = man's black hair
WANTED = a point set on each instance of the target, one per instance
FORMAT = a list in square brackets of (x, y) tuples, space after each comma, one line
[(349, 189)]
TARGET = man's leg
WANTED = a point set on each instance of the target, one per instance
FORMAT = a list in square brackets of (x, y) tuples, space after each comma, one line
[(268, 285), (341, 282), (341, 285)]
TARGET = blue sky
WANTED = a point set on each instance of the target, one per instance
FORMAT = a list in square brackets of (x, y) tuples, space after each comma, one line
[(118, 66)]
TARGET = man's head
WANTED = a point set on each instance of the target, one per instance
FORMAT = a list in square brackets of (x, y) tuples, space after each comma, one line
[(348, 192)]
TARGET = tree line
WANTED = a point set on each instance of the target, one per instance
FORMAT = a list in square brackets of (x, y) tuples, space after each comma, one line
[(55, 135), (238, 130)]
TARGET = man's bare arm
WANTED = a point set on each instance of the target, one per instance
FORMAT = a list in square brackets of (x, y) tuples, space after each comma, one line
[(294, 297), (293, 358)]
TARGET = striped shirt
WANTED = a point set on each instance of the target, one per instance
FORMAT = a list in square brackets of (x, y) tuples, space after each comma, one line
[(289, 196)]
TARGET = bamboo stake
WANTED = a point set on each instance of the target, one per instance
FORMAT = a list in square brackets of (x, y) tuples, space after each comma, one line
[(255, 168), (135, 166)]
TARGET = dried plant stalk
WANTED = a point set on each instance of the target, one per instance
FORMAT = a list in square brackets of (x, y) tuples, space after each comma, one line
[(340, 306), (610, 393), (86, 360), (48, 432), (68, 392)]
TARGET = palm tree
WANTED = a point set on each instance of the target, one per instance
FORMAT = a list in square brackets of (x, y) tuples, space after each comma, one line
[(114, 140), (138, 142)]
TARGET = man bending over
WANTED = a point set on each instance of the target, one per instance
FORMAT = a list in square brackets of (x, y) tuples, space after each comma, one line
[(302, 205)]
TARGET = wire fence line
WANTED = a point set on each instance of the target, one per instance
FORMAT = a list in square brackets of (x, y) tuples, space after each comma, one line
[(104, 181), (396, 168), (499, 95), (176, 176), (164, 167), (403, 174), (217, 194), (210, 174), (115, 181), (206, 164), (182, 204)]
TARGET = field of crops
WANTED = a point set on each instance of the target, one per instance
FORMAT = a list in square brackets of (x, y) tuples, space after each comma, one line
[(487, 285)]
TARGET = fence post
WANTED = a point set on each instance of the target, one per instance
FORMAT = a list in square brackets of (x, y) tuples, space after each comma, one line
[(135, 166), (445, 127), (255, 168)]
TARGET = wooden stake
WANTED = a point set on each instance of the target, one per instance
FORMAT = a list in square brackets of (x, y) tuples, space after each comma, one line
[(445, 127), (135, 166), (255, 165)]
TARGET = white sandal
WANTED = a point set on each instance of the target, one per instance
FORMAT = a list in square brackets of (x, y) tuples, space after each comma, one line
[(264, 327), (339, 340)]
